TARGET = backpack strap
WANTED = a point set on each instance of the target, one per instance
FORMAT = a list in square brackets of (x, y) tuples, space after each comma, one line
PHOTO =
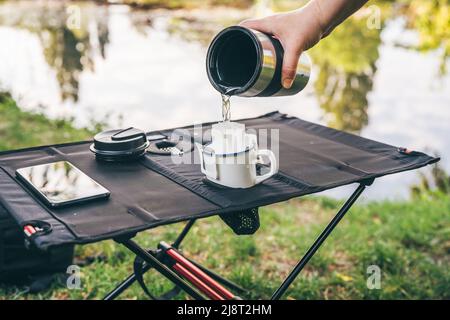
[(138, 267)]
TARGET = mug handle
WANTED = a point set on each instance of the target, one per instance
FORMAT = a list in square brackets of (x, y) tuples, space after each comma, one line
[(202, 162), (200, 153), (273, 165)]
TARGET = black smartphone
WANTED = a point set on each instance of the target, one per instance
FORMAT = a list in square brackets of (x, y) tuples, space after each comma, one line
[(61, 183)]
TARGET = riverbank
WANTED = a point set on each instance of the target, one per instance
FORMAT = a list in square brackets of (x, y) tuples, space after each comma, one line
[(20, 129)]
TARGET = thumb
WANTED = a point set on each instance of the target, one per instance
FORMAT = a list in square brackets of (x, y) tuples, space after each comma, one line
[(289, 68), (257, 24)]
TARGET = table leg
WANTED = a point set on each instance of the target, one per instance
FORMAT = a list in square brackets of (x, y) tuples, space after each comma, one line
[(124, 285), (161, 268), (132, 278), (316, 245)]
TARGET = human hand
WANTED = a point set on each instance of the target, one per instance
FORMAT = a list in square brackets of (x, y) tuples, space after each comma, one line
[(301, 29), (297, 31)]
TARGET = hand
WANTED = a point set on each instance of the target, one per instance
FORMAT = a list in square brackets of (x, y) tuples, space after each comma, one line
[(297, 31)]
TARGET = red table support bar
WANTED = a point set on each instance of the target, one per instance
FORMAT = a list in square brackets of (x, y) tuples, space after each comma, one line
[(200, 274), (200, 285)]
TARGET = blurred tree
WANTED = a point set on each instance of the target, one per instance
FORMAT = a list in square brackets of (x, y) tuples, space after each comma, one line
[(437, 182)]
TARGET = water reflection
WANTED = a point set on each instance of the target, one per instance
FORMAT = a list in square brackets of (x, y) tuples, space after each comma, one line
[(68, 51), (431, 19), (347, 66), (343, 97)]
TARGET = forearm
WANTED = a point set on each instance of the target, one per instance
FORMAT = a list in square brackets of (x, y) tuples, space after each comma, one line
[(331, 13)]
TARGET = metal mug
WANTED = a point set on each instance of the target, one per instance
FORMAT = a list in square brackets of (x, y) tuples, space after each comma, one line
[(232, 156), (247, 63)]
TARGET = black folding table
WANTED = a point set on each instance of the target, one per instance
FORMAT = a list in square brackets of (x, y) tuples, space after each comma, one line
[(156, 191)]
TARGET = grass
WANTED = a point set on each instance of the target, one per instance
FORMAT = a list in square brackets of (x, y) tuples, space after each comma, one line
[(409, 241), (19, 129)]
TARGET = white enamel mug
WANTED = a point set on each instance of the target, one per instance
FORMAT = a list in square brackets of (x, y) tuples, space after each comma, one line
[(236, 170)]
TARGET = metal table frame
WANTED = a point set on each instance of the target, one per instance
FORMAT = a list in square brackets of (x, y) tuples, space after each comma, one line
[(152, 259)]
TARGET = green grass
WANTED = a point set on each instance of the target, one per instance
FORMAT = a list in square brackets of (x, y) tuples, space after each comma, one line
[(19, 129), (409, 241)]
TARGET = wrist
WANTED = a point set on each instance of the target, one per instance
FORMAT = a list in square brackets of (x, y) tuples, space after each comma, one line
[(315, 9)]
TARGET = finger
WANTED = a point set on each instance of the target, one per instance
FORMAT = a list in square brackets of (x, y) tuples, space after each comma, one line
[(257, 24), (289, 69)]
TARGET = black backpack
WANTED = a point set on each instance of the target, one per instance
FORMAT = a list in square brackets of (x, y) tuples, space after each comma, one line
[(28, 266)]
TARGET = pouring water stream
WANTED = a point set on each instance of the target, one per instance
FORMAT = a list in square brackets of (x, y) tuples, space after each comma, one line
[(226, 110)]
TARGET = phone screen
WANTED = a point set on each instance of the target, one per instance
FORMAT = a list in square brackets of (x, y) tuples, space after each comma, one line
[(61, 182)]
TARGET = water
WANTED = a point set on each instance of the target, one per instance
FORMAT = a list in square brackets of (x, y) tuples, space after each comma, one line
[(226, 106), (135, 68), (226, 110)]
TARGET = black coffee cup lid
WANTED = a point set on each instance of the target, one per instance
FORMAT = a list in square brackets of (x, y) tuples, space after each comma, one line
[(120, 144)]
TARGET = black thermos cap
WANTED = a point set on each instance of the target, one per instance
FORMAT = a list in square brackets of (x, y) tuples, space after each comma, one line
[(121, 144)]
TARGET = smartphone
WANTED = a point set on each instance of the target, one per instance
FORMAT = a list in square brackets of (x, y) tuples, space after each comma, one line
[(61, 183)]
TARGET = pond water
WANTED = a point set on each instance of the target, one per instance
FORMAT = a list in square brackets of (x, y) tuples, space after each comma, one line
[(146, 69)]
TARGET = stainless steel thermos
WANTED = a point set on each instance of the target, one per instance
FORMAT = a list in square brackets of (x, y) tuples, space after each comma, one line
[(247, 63)]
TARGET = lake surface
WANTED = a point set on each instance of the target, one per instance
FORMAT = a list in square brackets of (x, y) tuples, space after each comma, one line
[(146, 69)]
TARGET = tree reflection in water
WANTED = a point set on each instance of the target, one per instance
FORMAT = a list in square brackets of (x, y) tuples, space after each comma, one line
[(69, 51), (431, 20), (346, 67), (345, 61)]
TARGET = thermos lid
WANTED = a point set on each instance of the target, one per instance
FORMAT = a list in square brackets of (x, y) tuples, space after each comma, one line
[(120, 144)]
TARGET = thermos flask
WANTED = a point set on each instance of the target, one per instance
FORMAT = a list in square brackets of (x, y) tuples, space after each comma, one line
[(247, 63)]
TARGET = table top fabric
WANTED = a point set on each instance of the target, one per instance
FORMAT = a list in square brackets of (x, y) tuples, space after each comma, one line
[(155, 191)]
